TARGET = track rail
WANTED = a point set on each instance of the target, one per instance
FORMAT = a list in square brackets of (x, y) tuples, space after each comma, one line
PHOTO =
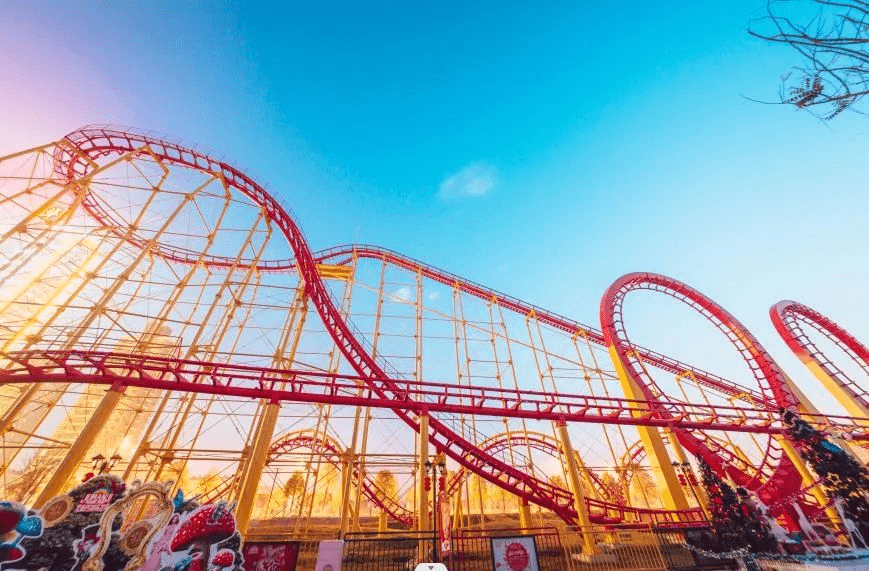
[(81, 151), (784, 480), (345, 254), (331, 451), (788, 318), (246, 381), (75, 158)]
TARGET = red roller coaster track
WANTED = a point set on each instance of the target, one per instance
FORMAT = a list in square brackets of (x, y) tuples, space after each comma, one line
[(74, 161), (785, 480), (330, 451), (788, 317), (77, 156)]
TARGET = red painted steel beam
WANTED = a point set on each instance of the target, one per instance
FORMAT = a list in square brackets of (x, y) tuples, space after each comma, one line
[(343, 255), (247, 381)]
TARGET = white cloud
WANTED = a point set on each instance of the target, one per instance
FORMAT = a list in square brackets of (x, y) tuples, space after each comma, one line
[(402, 294), (475, 179)]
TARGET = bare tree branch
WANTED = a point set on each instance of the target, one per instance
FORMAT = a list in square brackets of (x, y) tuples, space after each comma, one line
[(834, 44)]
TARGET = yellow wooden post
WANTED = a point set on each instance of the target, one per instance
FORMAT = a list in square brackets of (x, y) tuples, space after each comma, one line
[(80, 447), (258, 457), (576, 487)]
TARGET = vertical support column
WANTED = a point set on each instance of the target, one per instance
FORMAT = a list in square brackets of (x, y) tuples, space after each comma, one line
[(258, 456), (682, 458), (576, 487), (349, 467), (346, 477), (244, 460), (80, 447), (525, 515), (671, 491), (382, 520), (459, 507), (586, 476), (422, 493), (808, 479)]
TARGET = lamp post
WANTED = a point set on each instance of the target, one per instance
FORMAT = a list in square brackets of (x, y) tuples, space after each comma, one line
[(689, 479), (439, 465), (102, 465)]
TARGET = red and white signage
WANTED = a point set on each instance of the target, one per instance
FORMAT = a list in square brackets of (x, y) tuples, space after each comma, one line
[(514, 553), (95, 502)]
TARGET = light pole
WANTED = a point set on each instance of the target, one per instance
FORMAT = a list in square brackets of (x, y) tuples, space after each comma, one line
[(101, 465), (439, 465), (689, 480)]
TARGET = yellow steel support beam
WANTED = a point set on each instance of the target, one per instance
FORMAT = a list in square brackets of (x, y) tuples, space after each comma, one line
[(671, 491), (458, 508), (808, 479), (422, 493), (80, 447), (845, 398), (525, 515), (259, 455), (682, 458), (330, 272), (576, 487)]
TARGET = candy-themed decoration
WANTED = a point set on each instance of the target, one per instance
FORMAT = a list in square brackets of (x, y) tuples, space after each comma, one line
[(80, 531)]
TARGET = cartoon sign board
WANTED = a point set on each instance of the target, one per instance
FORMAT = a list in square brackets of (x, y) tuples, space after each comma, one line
[(514, 553), (67, 534), (271, 556), (15, 519), (196, 540), (83, 530)]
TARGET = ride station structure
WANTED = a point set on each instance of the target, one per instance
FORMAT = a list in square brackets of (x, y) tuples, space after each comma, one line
[(164, 319)]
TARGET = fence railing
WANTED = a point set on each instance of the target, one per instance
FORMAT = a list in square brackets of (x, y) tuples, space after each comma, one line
[(615, 548), (631, 547), (386, 551), (471, 550)]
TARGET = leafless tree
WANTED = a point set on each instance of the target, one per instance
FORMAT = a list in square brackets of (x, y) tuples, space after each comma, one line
[(832, 37)]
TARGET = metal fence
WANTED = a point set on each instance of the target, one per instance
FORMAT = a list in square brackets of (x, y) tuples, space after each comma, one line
[(614, 549), (471, 549), (680, 554), (386, 551), (307, 555), (634, 547)]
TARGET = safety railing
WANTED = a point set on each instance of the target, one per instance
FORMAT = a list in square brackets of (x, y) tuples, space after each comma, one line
[(471, 549), (614, 548), (386, 551)]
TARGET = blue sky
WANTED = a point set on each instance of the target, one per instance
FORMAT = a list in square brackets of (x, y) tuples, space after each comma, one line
[(543, 150)]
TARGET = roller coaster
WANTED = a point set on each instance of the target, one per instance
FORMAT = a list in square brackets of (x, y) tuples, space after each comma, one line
[(161, 308)]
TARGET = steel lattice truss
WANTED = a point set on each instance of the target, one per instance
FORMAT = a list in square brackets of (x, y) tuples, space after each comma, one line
[(132, 263)]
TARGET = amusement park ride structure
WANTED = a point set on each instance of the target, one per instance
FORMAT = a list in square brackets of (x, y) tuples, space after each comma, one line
[(161, 307)]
